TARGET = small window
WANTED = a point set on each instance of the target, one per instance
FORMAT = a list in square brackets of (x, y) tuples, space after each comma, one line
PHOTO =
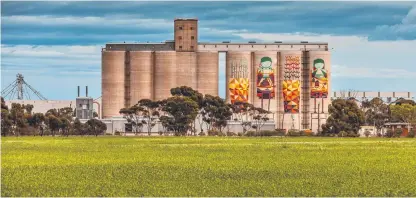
[(180, 37), (291, 46), (192, 47), (192, 37), (180, 47), (192, 28), (215, 46), (238, 46), (227, 46), (180, 27)]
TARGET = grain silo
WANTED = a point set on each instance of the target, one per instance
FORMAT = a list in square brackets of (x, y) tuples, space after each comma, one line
[(112, 82)]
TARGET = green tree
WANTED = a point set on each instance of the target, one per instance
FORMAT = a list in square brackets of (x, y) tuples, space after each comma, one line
[(17, 116), (37, 120), (78, 127), (377, 113), (6, 122), (96, 127), (133, 115), (195, 96), (28, 108), (150, 113), (243, 113), (216, 112), (53, 123), (260, 117), (182, 112), (404, 113), (344, 115)]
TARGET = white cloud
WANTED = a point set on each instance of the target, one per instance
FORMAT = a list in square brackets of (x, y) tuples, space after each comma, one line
[(404, 29), (113, 21)]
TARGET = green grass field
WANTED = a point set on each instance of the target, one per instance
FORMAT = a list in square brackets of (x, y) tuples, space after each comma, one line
[(207, 166)]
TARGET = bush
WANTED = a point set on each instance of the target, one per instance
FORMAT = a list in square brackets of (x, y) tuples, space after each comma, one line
[(367, 133), (398, 132), (280, 132), (353, 134), (117, 133), (342, 134), (293, 133), (231, 134), (411, 133), (240, 134), (213, 132), (389, 133), (250, 133), (201, 134)]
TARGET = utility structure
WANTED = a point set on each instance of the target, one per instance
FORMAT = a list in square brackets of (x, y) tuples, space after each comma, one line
[(19, 89)]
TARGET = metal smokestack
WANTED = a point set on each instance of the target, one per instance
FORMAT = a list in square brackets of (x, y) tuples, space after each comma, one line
[(86, 91), (78, 91)]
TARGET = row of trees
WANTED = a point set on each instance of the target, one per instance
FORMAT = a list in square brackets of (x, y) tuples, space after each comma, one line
[(20, 120), (348, 116), (187, 108)]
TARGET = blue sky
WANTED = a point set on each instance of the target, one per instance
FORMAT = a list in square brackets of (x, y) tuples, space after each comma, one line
[(56, 45)]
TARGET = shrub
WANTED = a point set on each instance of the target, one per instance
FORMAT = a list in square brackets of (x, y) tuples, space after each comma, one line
[(213, 132), (398, 132), (231, 134), (280, 132), (201, 134), (353, 134), (411, 133), (293, 133), (389, 133), (117, 133), (240, 134), (250, 133), (367, 133), (342, 134)]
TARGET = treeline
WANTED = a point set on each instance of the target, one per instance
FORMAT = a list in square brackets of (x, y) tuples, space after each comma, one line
[(188, 108), (347, 116), (20, 120)]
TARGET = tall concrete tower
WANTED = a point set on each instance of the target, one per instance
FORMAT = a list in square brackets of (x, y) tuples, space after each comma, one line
[(186, 35)]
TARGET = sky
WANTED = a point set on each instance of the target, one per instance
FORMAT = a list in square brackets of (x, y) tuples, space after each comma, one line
[(57, 45)]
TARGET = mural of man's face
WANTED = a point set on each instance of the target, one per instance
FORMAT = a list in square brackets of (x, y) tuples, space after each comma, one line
[(266, 64), (319, 65)]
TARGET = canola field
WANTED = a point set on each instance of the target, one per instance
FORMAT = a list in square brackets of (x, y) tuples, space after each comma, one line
[(207, 166)]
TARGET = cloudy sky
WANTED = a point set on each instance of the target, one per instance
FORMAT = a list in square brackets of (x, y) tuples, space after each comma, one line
[(57, 45)]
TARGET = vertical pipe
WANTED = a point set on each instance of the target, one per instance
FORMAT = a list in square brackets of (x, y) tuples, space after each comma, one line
[(78, 91), (86, 91)]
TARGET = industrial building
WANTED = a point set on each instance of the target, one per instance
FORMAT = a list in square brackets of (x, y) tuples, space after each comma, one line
[(292, 80)]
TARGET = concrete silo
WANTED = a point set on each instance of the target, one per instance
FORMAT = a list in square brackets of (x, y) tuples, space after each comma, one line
[(165, 74), (207, 73), (290, 64), (186, 65), (238, 75), (112, 82), (141, 76), (264, 78), (319, 73)]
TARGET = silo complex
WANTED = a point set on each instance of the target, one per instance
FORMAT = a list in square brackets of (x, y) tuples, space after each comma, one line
[(291, 80)]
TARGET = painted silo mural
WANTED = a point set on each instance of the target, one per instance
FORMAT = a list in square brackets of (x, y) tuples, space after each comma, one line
[(291, 83), (319, 83), (265, 79), (239, 82)]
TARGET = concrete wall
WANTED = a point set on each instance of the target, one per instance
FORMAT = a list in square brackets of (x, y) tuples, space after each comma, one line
[(186, 35), (186, 67), (42, 106)]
